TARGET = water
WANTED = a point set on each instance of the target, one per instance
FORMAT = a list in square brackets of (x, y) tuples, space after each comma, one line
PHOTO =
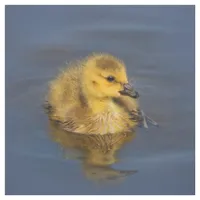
[(157, 45)]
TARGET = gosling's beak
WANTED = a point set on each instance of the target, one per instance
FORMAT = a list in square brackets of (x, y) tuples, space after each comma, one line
[(129, 91)]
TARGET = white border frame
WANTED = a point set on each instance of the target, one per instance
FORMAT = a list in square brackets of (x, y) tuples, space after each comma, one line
[(107, 2)]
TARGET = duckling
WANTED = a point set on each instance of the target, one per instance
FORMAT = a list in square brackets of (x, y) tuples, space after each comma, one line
[(93, 96)]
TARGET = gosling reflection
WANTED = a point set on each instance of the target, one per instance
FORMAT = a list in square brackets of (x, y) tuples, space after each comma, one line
[(99, 152)]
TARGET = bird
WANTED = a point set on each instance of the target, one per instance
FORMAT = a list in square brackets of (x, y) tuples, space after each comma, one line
[(93, 96)]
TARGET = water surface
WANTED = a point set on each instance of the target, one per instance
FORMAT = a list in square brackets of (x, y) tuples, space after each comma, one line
[(157, 45)]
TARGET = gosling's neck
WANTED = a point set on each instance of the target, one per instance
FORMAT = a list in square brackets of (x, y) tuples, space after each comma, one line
[(99, 105), (94, 99), (95, 103)]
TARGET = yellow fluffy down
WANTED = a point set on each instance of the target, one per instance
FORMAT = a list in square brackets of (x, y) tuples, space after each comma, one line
[(81, 99)]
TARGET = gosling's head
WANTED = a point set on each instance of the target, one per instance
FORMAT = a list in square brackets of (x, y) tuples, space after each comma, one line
[(105, 76)]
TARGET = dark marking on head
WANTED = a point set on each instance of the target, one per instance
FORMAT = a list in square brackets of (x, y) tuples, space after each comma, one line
[(94, 82), (108, 63)]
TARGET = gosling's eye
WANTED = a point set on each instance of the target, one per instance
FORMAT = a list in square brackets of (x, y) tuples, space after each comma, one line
[(110, 78)]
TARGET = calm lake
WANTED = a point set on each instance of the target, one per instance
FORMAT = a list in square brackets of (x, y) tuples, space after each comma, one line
[(157, 44)]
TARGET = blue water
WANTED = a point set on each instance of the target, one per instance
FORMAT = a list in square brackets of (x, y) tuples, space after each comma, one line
[(157, 45)]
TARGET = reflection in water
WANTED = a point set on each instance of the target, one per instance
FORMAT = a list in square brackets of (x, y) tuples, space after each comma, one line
[(99, 151)]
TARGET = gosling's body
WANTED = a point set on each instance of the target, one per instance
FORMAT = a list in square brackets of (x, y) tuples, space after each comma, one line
[(82, 101)]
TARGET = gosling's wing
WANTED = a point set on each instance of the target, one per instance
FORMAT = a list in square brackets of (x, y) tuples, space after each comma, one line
[(47, 107), (136, 114), (131, 106)]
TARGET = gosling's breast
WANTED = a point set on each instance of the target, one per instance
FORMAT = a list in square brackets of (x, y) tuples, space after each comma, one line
[(110, 122)]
